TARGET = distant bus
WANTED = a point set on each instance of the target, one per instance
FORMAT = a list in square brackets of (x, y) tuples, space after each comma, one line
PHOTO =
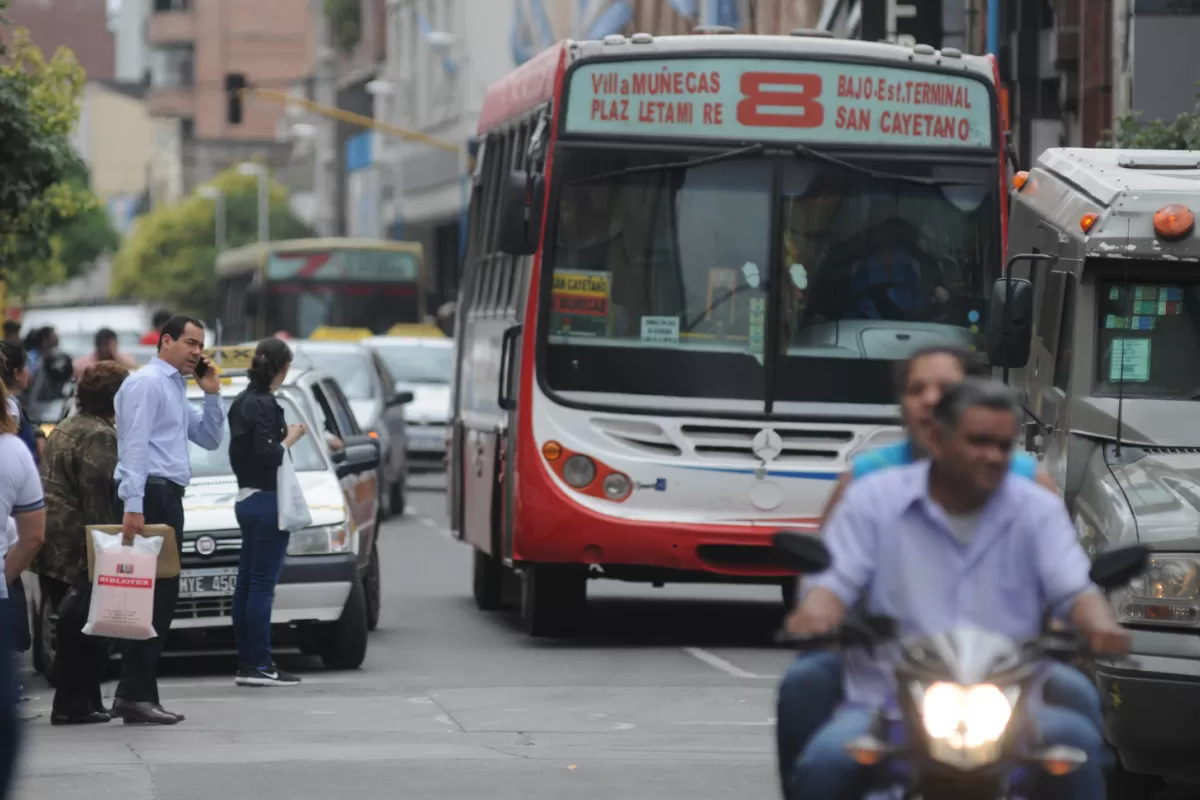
[(300, 285)]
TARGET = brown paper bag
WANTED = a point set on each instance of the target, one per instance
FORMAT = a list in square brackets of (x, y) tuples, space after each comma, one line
[(168, 557)]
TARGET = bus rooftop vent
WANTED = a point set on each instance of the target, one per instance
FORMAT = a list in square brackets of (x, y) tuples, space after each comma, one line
[(924, 49), (951, 52), (814, 33), (642, 38), (614, 38), (712, 30)]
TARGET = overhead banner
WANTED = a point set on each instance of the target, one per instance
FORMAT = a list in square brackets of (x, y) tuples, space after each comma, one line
[(780, 100)]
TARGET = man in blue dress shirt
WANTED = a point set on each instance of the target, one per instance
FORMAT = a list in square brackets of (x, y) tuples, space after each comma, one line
[(955, 541), (155, 420)]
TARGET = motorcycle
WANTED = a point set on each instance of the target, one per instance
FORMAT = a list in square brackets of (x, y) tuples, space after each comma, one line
[(959, 724)]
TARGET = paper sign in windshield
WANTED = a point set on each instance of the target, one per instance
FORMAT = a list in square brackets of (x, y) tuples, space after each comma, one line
[(780, 100), (580, 303), (1130, 360), (660, 330)]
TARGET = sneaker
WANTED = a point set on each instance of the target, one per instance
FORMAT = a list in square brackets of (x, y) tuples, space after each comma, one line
[(270, 676)]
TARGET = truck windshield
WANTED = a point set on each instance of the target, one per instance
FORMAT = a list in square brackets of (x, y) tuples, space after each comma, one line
[(1149, 337), (669, 283)]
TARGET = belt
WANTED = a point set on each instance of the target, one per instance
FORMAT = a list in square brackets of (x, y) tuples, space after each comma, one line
[(163, 483)]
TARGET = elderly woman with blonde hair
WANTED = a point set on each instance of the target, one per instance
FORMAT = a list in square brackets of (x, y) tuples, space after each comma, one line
[(77, 472)]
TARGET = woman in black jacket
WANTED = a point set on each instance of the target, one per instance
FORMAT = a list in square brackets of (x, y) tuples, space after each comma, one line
[(258, 439)]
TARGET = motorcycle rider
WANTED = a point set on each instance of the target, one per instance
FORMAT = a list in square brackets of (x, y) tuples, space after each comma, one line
[(811, 688), (964, 543)]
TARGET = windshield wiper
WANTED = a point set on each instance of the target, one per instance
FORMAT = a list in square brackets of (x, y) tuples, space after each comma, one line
[(804, 151), (754, 149)]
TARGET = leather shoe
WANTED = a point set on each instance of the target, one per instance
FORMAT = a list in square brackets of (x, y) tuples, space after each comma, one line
[(86, 718), (174, 714), (141, 713)]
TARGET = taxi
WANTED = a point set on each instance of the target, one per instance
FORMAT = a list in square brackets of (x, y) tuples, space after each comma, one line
[(328, 595)]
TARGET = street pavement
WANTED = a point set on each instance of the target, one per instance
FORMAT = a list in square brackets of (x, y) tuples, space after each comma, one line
[(668, 693)]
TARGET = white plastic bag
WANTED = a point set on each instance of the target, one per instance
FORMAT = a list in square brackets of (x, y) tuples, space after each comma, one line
[(293, 508), (122, 604)]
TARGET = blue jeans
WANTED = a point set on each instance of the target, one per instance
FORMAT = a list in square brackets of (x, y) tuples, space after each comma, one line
[(263, 549), (811, 691)]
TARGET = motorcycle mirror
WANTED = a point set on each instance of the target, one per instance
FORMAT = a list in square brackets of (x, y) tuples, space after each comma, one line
[(802, 552), (1115, 568)]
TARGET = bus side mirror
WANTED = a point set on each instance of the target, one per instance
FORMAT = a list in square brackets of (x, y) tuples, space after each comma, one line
[(521, 203), (1010, 323)]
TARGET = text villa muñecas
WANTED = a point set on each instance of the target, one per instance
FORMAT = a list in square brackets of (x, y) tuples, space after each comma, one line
[(910, 108)]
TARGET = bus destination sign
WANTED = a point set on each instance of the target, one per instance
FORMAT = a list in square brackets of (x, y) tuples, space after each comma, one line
[(780, 100)]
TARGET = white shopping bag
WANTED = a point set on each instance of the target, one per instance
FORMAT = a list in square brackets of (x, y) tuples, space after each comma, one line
[(122, 604), (293, 508)]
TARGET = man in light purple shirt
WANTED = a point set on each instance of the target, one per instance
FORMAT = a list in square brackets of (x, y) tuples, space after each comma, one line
[(956, 541)]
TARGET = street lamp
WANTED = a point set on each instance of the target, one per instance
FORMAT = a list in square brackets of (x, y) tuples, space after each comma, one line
[(217, 196), (264, 218)]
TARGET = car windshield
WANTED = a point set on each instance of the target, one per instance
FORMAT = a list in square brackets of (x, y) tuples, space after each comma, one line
[(669, 282), (1148, 338), (215, 463), (409, 362), (350, 368)]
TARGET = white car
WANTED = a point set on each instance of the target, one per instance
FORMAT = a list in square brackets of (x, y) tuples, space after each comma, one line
[(328, 594), (423, 365)]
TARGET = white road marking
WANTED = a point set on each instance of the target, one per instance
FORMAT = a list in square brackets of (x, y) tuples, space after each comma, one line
[(427, 522), (769, 722), (323, 713), (624, 726), (718, 662), (410, 510)]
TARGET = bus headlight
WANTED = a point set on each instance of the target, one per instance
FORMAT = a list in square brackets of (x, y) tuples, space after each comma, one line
[(965, 717), (617, 487), (321, 541), (579, 471)]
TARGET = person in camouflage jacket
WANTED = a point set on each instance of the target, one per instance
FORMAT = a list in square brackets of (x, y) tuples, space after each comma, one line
[(77, 477)]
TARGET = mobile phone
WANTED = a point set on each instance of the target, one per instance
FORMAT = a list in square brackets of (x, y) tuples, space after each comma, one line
[(201, 368)]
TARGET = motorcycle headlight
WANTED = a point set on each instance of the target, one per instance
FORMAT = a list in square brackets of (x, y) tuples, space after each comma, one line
[(322, 541), (965, 716), (1167, 593)]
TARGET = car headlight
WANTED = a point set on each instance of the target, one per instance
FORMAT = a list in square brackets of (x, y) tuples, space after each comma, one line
[(1167, 593), (321, 541), (579, 471), (965, 716)]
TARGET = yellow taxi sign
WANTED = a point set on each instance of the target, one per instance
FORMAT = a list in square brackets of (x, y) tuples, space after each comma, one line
[(417, 330), (232, 357), (330, 333)]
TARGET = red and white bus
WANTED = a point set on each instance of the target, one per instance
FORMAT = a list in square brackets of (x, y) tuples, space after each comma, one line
[(692, 262)]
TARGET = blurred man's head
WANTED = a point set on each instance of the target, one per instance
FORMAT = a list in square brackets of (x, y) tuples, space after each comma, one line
[(159, 319), (975, 427), (12, 331), (923, 378), (181, 342), (106, 344)]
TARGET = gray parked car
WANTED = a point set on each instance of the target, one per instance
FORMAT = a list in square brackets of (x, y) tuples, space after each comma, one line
[(378, 408)]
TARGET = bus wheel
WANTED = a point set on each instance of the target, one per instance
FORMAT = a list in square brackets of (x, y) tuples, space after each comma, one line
[(487, 578), (553, 599), (790, 587)]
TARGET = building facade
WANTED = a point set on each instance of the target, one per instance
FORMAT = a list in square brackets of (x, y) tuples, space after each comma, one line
[(81, 25), (116, 137), (193, 44)]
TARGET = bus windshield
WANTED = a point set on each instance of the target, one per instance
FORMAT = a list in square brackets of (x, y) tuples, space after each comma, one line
[(678, 282), (342, 287)]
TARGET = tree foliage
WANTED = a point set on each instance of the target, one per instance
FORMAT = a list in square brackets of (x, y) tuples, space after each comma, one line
[(1133, 133), (39, 106), (170, 254)]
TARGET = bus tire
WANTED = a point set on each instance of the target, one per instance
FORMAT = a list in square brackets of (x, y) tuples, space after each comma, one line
[(553, 599), (487, 579)]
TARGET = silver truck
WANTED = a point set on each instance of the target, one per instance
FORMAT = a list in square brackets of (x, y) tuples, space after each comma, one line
[(1097, 326)]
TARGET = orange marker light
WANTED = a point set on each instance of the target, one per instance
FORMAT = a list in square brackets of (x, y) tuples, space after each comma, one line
[(1087, 221), (1174, 221), (1019, 180), (373, 434), (552, 451)]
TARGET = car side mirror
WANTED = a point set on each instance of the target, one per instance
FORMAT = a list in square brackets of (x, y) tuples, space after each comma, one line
[(1010, 315), (1115, 568), (360, 454), (401, 398), (522, 198), (802, 552)]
